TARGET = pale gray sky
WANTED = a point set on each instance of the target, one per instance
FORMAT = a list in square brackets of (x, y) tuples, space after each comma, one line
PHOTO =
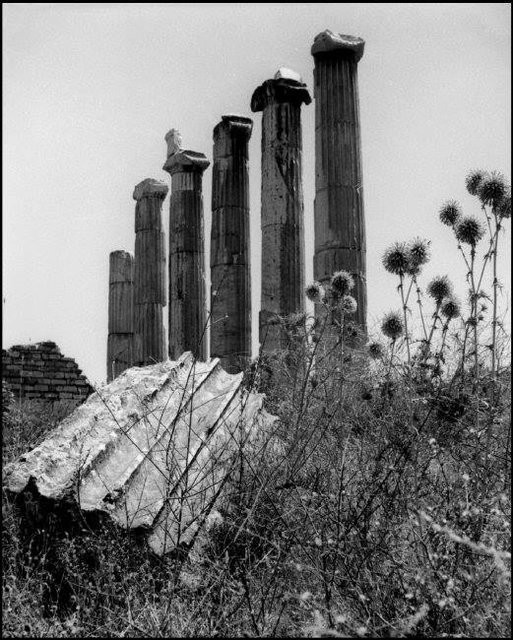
[(90, 90)]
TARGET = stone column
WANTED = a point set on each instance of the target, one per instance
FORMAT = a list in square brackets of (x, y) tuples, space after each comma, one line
[(230, 297), (283, 280), (150, 273), (338, 209), (121, 313), (187, 295)]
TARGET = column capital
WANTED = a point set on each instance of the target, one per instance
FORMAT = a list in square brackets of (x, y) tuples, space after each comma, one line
[(234, 123), (286, 86), (150, 188), (186, 161), (329, 44)]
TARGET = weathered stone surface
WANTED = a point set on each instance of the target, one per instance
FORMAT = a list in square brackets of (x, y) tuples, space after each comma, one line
[(153, 449), (339, 208), (149, 273), (187, 293), (287, 74), (121, 313), (35, 377), (328, 42), (230, 299), (173, 140), (283, 279)]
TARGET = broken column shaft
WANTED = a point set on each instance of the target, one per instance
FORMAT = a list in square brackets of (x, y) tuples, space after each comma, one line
[(338, 210), (187, 295), (230, 300), (121, 323), (283, 280), (149, 273)]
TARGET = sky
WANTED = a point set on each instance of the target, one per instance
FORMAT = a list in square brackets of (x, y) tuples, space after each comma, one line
[(90, 90)]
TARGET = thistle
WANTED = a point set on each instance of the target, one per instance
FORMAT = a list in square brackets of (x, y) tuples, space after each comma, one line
[(376, 350), (469, 230), (392, 325), (396, 259), (504, 209), (348, 304), (450, 308), (315, 292), (439, 288), (450, 213), (418, 254), (492, 189), (473, 180), (341, 283)]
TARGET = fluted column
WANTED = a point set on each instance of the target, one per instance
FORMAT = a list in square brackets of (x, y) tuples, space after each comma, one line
[(283, 279), (230, 293), (187, 295), (338, 209), (149, 273), (121, 320)]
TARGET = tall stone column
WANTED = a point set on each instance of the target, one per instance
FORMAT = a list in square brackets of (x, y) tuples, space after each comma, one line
[(338, 209), (230, 297), (149, 273), (283, 280), (121, 313), (187, 294)]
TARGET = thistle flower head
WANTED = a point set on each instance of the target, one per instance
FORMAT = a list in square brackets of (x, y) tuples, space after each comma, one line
[(418, 254), (492, 189), (504, 209), (341, 283), (450, 308), (392, 325), (450, 213), (473, 180), (469, 230), (315, 292), (376, 350), (348, 304), (439, 288), (396, 258)]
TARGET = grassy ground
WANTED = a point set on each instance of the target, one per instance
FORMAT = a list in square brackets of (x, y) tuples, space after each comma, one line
[(380, 515)]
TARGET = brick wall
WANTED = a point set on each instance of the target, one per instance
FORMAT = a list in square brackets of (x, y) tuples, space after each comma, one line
[(40, 372)]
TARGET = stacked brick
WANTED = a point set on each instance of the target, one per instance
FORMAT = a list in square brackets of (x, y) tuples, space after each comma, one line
[(40, 372)]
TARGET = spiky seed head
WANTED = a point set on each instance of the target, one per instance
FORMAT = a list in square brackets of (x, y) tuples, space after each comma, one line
[(418, 253), (439, 288), (396, 258), (450, 308), (473, 180), (341, 283), (504, 209), (492, 189), (392, 325), (376, 350), (450, 213), (469, 230), (348, 304), (315, 292)]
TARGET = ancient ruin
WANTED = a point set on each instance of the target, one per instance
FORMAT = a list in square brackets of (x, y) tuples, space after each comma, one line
[(121, 313), (230, 298), (152, 451), (187, 295), (39, 372), (338, 216), (149, 273), (283, 280), (338, 208)]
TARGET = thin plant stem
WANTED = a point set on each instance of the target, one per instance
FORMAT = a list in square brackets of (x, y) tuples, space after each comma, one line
[(405, 307)]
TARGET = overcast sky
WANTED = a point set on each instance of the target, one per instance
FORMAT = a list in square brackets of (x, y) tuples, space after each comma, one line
[(90, 90)]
